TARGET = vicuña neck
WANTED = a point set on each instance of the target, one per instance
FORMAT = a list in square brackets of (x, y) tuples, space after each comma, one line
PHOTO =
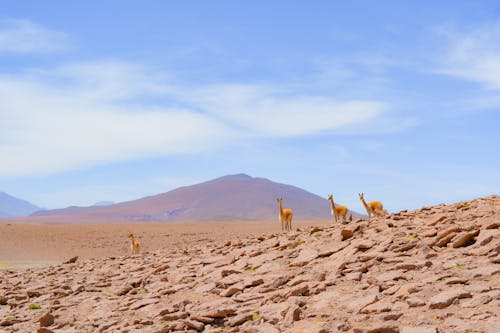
[(364, 203), (333, 204)]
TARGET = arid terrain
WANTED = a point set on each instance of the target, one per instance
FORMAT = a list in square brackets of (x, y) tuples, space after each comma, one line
[(435, 269), (56, 242)]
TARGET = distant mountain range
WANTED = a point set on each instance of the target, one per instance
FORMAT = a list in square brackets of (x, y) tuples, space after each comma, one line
[(230, 198), (13, 207)]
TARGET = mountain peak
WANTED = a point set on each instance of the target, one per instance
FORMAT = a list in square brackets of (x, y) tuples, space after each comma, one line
[(239, 176)]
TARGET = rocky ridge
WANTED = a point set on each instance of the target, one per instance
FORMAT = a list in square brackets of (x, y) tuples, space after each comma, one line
[(435, 269)]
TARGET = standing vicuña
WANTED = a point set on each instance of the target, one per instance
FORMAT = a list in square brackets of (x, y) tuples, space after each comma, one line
[(338, 211), (135, 246), (285, 216), (375, 207)]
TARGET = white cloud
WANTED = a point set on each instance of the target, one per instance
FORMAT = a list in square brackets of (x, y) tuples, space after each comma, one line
[(24, 36), (474, 56), (84, 114), (49, 127), (272, 111)]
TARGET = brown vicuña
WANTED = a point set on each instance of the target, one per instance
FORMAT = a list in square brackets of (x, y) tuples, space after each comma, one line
[(375, 207), (285, 216), (338, 211), (135, 246)]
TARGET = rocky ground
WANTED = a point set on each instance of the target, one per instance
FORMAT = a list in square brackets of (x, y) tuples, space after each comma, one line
[(431, 270)]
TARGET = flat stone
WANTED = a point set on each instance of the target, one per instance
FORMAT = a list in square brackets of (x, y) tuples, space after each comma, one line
[(445, 298), (308, 326), (465, 239)]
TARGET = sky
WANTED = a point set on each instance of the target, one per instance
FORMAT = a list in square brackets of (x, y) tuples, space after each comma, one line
[(116, 100)]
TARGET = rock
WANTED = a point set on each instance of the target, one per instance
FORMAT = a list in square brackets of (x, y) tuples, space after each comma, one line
[(445, 298), (252, 282), (267, 328), (346, 233), (227, 272), (381, 328), (356, 304), (299, 290), (418, 329), (231, 291), (44, 330), (33, 293), (71, 260), (306, 255), (448, 231), (194, 324), (293, 314), (484, 271), (414, 302), (278, 282), (445, 240), (124, 290), (465, 239), (363, 245), (308, 326), (378, 307), (46, 320), (436, 221), (216, 310), (3, 300), (238, 319)]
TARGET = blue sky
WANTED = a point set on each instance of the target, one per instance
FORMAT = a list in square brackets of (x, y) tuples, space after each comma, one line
[(117, 100)]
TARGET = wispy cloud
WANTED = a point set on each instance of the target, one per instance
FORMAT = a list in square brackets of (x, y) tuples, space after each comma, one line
[(277, 111), (58, 123), (473, 55), (84, 114), (24, 36)]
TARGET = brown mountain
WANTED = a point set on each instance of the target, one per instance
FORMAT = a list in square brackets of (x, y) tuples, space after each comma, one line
[(230, 198)]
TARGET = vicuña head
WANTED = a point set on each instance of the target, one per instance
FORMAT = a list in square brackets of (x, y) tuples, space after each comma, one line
[(338, 211), (285, 216), (375, 207)]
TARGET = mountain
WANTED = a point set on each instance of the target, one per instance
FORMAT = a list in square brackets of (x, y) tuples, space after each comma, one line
[(103, 203), (230, 198), (14, 207)]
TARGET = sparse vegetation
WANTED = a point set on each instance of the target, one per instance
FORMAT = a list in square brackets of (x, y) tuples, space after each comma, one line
[(412, 237), (460, 266), (255, 316), (317, 235), (322, 319), (34, 306), (294, 244)]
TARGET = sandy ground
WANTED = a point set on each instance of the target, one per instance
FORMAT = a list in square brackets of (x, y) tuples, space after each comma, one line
[(24, 245)]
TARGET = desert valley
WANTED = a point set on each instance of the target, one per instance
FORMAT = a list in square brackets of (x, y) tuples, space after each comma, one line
[(434, 269)]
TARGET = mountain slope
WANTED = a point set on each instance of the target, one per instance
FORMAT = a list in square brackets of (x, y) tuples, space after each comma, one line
[(229, 198), (13, 207)]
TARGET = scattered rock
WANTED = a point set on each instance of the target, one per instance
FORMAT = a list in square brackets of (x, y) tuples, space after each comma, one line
[(71, 260), (445, 298), (346, 233), (46, 320), (465, 239)]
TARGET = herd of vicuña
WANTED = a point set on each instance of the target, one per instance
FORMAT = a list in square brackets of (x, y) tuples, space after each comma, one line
[(285, 215)]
